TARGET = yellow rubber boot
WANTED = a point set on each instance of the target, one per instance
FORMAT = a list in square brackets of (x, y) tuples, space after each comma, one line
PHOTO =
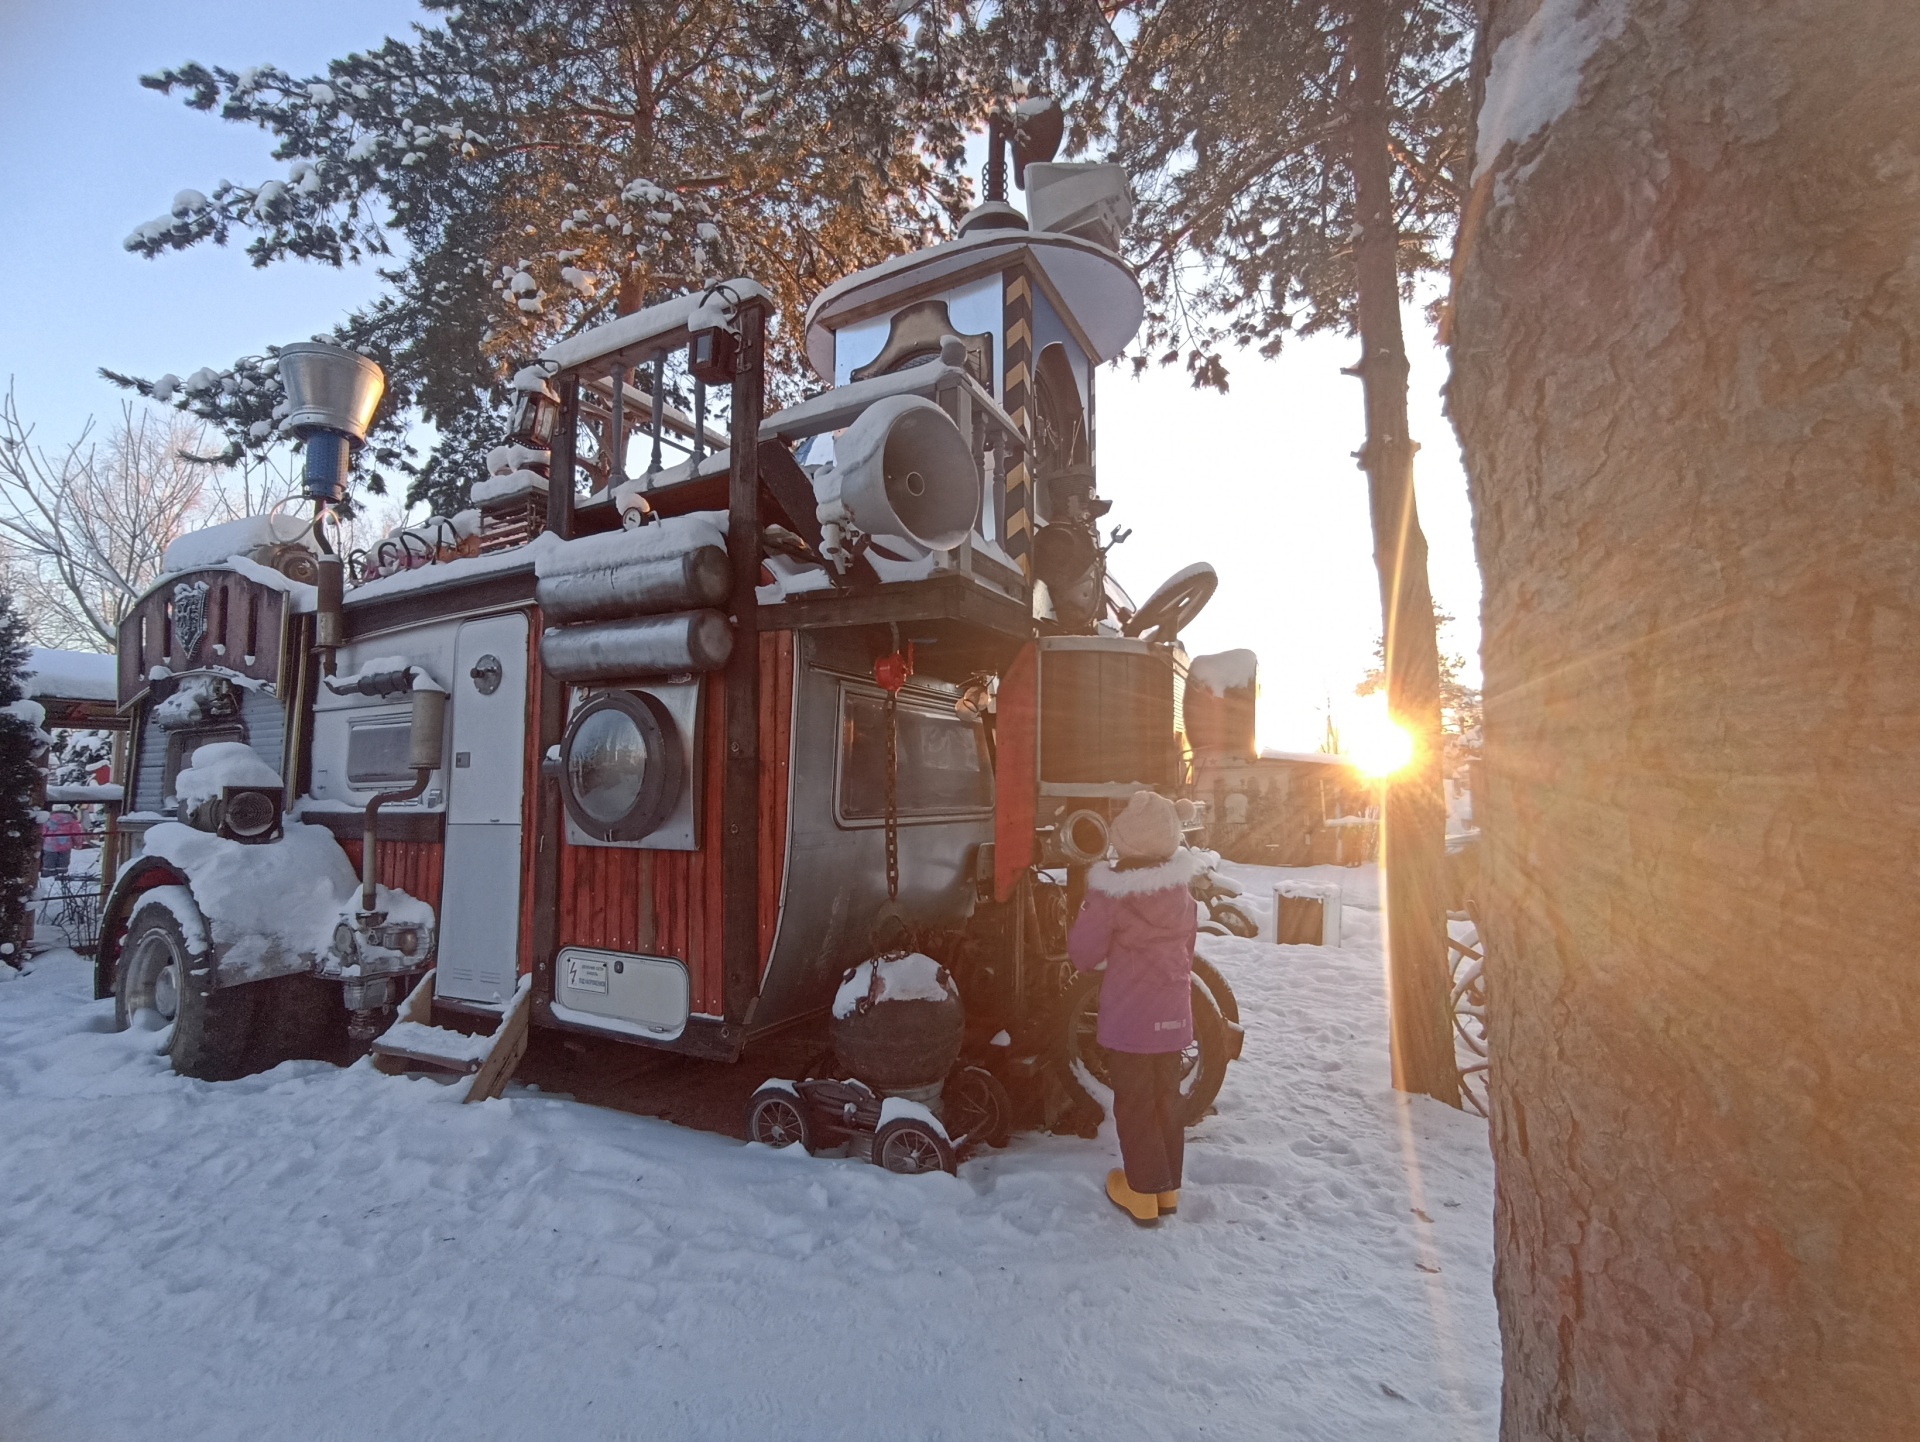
[(1169, 1202), (1143, 1207)]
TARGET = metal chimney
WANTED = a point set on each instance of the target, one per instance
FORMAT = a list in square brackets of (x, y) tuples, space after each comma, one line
[(332, 393)]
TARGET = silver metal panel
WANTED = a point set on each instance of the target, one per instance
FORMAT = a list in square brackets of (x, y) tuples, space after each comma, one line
[(650, 996), (480, 914), (480, 899), (836, 876), (430, 647), (681, 830)]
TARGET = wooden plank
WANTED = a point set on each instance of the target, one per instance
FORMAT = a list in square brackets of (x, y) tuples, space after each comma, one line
[(509, 1045), (739, 841), (417, 1007)]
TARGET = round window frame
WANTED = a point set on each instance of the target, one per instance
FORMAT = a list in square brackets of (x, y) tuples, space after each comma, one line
[(660, 785)]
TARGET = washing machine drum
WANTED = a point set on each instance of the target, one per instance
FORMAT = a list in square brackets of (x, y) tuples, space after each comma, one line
[(621, 766)]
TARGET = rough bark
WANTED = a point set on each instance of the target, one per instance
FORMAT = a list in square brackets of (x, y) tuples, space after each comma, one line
[(1687, 382), (1413, 830)]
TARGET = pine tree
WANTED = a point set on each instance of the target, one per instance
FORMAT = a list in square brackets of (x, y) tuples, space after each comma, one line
[(20, 740), (1298, 164), (538, 165)]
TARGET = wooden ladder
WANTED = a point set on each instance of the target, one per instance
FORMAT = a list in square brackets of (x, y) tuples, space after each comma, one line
[(414, 1043)]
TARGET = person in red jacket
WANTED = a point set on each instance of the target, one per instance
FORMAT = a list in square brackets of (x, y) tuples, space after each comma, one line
[(1138, 922)]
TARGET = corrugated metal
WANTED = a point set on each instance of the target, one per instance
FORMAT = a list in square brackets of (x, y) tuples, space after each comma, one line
[(264, 718)]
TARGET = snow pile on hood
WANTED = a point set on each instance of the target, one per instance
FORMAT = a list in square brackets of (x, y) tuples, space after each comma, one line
[(222, 763), (913, 977), (285, 896)]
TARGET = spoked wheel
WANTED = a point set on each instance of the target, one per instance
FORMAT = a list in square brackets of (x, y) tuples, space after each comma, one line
[(909, 1146), (1236, 922), (976, 1108), (1203, 1065), (1467, 953), (778, 1118), (165, 983)]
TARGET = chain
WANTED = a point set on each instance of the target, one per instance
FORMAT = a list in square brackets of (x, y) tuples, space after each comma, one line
[(893, 799)]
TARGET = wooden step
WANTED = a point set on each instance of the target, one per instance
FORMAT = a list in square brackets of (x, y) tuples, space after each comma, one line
[(413, 1042)]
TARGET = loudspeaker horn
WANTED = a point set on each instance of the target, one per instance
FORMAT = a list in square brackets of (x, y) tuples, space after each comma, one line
[(906, 471)]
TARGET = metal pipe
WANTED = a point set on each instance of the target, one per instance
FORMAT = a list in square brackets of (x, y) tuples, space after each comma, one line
[(659, 407), (624, 650), (368, 841), (617, 430), (695, 578)]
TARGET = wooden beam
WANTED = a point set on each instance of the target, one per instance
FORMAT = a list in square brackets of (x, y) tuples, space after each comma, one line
[(740, 776)]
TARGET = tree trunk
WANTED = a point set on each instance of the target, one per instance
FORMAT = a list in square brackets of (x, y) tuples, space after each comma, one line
[(1687, 382), (1413, 831)]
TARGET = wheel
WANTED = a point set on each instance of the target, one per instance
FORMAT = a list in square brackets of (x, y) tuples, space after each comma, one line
[(1204, 1065), (165, 984), (776, 1117), (1217, 988), (909, 1146), (1236, 921), (976, 1107)]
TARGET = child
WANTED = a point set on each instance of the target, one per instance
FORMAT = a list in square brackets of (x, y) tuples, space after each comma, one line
[(1138, 920)]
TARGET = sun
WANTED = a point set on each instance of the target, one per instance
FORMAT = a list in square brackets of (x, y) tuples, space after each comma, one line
[(1375, 742)]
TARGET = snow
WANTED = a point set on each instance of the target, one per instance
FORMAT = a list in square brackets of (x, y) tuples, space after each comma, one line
[(187, 1260), (466, 568), (644, 326), (1226, 671), (913, 977), (85, 795), (673, 536), (893, 1109), (282, 897), (72, 675), (1535, 76), (437, 1041), (508, 485), (221, 764), (212, 546), (1309, 758)]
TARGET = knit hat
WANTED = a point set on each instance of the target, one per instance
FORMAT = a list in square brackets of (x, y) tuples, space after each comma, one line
[(1148, 830)]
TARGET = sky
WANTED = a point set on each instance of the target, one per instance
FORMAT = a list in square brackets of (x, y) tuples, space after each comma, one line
[(1260, 482)]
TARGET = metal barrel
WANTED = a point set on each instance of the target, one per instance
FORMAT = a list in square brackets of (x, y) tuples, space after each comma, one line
[(638, 647), (699, 577)]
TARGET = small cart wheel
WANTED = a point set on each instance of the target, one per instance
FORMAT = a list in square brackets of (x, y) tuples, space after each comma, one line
[(778, 1118), (976, 1107), (1217, 987), (909, 1146)]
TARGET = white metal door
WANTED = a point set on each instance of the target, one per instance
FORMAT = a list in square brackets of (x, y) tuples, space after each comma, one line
[(480, 898)]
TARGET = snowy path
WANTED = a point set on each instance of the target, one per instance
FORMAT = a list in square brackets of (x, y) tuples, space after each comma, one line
[(322, 1254)]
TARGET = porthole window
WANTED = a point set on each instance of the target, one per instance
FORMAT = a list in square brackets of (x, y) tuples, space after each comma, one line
[(621, 766)]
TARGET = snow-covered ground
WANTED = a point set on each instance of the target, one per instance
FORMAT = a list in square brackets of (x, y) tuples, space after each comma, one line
[(323, 1254)]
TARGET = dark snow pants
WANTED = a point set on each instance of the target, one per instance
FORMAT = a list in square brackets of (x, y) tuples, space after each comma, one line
[(1146, 1113)]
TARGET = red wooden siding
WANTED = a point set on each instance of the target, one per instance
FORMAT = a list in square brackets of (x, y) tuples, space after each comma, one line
[(668, 903), (412, 866)]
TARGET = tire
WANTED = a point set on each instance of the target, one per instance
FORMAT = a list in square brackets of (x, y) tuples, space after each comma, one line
[(910, 1147), (162, 983), (1206, 1067), (1218, 989), (777, 1117), (1236, 921), (976, 1108)]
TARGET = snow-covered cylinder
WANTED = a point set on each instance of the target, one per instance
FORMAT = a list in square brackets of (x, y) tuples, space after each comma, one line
[(696, 578), (898, 1023), (642, 646)]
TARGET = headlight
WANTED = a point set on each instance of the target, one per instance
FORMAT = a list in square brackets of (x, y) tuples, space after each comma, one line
[(250, 813)]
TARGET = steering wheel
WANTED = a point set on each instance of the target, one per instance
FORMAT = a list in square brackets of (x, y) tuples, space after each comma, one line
[(1181, 597)]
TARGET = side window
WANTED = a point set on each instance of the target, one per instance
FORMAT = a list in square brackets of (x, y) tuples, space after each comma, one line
[(377, 751), (943, 767), (182, 744)]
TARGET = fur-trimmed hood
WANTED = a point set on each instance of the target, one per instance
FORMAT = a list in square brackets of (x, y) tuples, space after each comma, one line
[(1177, 870)]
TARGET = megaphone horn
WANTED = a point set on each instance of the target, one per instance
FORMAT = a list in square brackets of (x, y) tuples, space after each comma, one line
[(905, 470)]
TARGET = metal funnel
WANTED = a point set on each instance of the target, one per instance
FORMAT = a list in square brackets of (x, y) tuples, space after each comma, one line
[(330, 388)]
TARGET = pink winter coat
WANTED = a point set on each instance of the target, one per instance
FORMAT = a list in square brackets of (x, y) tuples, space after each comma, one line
[(1141, 923)]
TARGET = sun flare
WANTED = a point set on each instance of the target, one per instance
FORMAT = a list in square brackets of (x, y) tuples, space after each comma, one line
[(1375, 742)]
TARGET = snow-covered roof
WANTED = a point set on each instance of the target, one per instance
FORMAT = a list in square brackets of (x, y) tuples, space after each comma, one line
[(72, 675), (1224, 671), (1098, 288)]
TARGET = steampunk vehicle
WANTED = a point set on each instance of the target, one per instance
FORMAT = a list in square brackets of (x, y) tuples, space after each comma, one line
[(659, 754)]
